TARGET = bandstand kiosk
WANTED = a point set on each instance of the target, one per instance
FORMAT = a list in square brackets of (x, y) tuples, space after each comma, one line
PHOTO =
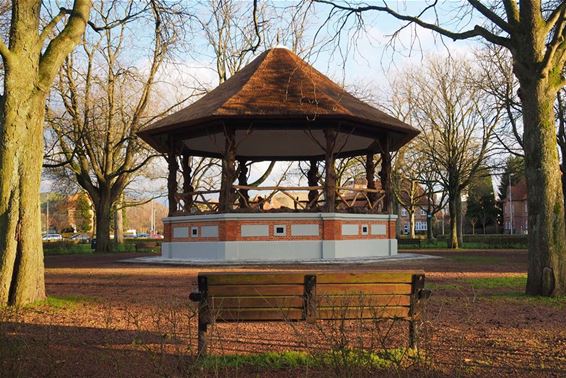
[(278, 108)]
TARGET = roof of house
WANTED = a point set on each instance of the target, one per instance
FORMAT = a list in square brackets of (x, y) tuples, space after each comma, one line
[(280, 91)]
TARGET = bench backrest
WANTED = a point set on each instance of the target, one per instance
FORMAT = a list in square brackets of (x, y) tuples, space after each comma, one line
[(254, 296)]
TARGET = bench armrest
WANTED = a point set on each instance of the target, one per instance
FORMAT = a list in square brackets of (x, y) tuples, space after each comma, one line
[(195, 296)]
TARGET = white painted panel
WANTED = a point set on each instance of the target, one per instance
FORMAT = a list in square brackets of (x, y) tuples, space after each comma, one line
[(209, 231), (305, 230), (350, 229), (180, 232), (378, 229), (249, 230)]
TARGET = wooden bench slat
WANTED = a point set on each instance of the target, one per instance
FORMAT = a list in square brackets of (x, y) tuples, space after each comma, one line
[(369, 277), (243, 302), (254, 291), (364, 300), (254, 278), (246, 314), (362, 289), (328, 313)]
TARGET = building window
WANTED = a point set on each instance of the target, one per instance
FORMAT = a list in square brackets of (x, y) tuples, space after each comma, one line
[(406, 228), (420, 226), (403, 212), (423, 212)]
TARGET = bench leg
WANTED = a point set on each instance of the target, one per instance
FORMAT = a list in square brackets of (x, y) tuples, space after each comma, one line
[(202, 338), (413, 336)]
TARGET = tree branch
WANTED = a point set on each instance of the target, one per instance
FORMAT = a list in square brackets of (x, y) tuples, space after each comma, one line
[(512, 11), (490, 15), (63, 44), (477, 31), (559, 13), (51, 25), (5, 51)]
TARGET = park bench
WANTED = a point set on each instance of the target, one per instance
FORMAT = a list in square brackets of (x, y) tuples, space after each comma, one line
[(308, 296), (406, 242)]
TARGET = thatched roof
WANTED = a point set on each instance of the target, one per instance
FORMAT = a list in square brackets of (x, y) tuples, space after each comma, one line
[(277, 91)]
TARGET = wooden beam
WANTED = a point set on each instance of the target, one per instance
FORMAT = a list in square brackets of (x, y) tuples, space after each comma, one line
[(227, 193), (244, 199), (370, 177), (172, 177), (330, 170), (187, 187), (312, 177), (385, 175)]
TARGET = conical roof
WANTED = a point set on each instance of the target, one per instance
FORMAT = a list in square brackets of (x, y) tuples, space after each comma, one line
[(277, 90)]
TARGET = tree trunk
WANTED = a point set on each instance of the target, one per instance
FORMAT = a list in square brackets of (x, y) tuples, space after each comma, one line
[(119, 222), (453, 241), (460, 219), (429, 225), (547, 237), (28, 73), (103, 211), (21, 157), (412, 224)]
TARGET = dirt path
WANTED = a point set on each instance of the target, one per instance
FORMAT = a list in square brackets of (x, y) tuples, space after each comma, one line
[(116, 319)]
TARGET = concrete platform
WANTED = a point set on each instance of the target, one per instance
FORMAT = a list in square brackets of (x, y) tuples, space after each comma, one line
[(158, 260)]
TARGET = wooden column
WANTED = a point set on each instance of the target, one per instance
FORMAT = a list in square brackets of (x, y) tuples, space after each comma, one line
[(385, 176), (243, 198), (172, 178), (312, 177), (370, 177), (226, 198), (330, 176), (187, 187)]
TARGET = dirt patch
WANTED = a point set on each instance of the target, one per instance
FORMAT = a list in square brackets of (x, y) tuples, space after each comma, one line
[(113, 319)]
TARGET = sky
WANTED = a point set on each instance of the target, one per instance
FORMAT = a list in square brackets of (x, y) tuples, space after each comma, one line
[(366, 59)]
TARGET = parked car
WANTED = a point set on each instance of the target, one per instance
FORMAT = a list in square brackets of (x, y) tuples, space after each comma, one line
[(142, 236), (81, 238), (156, 236), (52, 237)]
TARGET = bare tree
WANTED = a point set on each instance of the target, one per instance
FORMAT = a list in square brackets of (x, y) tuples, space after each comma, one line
[(533, 31), (31, 59), (99, 104), (406, 183), (457, 126)]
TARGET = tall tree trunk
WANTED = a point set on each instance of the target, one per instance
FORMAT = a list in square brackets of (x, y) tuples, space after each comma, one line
[(103, 211), (453, 209), (28, 73), (21, 157), (119, 221), (412, 224), (429, 225), (547, 237)]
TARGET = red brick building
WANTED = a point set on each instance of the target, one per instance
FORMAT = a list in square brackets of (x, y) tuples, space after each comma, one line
[(515, 214)]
